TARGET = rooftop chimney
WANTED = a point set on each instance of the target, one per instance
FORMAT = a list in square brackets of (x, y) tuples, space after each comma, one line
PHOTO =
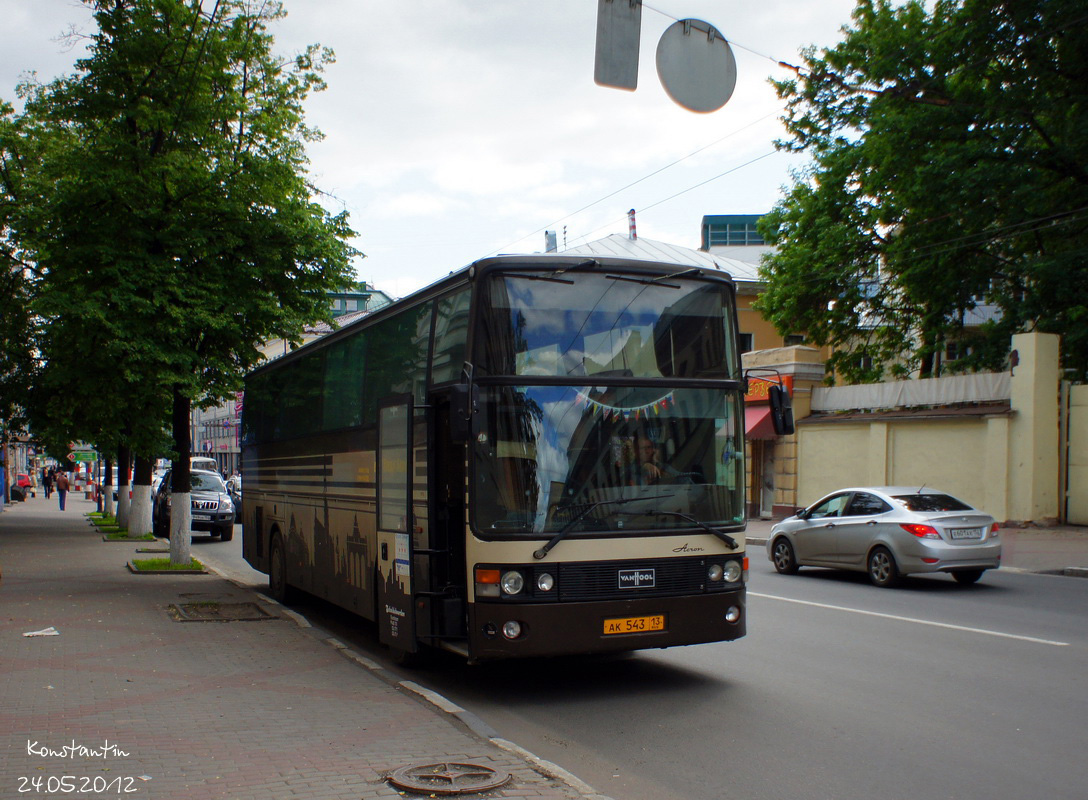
[(632, 234)]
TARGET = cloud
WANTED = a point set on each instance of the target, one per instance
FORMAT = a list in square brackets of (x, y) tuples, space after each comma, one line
[(454, 128)]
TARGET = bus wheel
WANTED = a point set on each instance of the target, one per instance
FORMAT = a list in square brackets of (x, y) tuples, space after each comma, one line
[(402, 658), (277, 573)]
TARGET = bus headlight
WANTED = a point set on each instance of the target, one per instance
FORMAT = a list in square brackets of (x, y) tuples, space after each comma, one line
[(714, 573), (545, 582), (512, 582), (732, 614), (733, 571), (511, 629)]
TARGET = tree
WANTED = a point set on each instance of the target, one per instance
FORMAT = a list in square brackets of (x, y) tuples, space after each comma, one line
[(16, 287), (174, 224), (949, 164)]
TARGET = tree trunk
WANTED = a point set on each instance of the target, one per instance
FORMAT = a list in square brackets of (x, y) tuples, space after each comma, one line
[(124, 464), (181, 511), (107, 488), (140, 514)]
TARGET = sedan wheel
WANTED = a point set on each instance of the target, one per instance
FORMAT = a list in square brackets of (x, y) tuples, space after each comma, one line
[(967, 576), (882, 569), (784, 560)]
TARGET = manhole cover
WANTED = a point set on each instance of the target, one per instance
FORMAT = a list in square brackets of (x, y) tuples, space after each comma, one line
[(448, 777), (218, 612)]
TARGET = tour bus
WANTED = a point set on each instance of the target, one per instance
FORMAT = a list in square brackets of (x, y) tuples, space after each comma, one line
[(538, 455)]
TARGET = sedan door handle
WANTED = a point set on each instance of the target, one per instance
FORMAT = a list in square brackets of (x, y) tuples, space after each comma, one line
[(871, 522)]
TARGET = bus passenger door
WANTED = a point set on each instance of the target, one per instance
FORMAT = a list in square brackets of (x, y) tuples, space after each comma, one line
[(395, 614)]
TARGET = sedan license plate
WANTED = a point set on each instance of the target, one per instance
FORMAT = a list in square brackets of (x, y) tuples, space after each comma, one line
[(634, 624), (965, 533)]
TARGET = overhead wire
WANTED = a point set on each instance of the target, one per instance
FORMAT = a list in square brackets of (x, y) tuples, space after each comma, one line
[(646, 177)]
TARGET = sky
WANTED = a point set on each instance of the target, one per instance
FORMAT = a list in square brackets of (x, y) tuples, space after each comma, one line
[(459, 129)]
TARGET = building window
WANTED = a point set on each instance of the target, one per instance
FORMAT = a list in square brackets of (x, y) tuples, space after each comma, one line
[(956, 350), (794, 339), (733, 234), (744, 342), (352, 305)]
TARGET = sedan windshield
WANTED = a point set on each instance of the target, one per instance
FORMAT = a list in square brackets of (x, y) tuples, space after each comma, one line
[(583, 458)]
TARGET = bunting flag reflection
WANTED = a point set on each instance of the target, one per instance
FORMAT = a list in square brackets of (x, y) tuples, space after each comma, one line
[(583, 400)]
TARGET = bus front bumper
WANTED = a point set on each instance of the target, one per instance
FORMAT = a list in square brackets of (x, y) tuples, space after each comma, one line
[(552, 629)]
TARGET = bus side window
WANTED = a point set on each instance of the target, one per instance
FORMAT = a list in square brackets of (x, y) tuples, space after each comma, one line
[(450, 337)]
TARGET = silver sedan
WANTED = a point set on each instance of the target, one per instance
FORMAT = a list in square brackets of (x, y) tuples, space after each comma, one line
[(888, 532)]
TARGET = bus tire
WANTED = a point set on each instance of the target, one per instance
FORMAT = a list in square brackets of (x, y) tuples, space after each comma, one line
[(402, 658), (278, 586)]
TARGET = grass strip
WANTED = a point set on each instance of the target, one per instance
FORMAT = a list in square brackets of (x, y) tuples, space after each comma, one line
[(157, 564)]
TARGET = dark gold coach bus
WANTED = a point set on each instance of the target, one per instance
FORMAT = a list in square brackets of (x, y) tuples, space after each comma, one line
[(538, 455)]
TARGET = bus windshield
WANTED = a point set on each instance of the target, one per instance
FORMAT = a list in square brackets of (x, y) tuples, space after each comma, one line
[(609, 459), (608, 325)]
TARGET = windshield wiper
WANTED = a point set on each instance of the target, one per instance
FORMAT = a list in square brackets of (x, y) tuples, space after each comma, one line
[(725, 537), (553, 277), (589, 262), (548, 278), (543, 551), (655, 280)]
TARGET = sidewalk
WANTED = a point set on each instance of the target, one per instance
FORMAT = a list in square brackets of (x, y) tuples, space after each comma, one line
[(132, 702)]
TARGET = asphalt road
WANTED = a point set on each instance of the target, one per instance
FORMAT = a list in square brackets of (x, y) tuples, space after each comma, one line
[(840, 690)]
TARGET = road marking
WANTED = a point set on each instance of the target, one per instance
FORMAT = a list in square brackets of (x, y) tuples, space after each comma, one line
[(912, 619)]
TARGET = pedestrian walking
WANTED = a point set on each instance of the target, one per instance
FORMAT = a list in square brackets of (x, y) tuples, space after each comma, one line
[(62, 487), (47, 482)]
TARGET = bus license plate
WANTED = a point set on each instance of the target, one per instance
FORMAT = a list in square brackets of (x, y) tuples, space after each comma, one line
[(634, 625)]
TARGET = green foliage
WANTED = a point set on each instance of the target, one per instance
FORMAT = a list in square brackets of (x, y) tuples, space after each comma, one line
[(170, 218), (949, 163), (16, 285)]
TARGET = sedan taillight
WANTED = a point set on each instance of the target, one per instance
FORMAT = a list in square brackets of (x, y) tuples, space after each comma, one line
[(921, 531)]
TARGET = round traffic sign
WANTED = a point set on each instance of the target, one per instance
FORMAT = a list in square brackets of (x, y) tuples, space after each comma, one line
[(696, 65)]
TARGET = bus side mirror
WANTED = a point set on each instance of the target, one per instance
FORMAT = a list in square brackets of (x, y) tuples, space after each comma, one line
[(781, 410), (464, 405)]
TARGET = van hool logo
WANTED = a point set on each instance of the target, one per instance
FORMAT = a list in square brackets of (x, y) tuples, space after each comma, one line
[(637, 579)]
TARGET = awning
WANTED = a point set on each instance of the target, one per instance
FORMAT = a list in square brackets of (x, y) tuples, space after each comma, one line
[(758, 424)]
